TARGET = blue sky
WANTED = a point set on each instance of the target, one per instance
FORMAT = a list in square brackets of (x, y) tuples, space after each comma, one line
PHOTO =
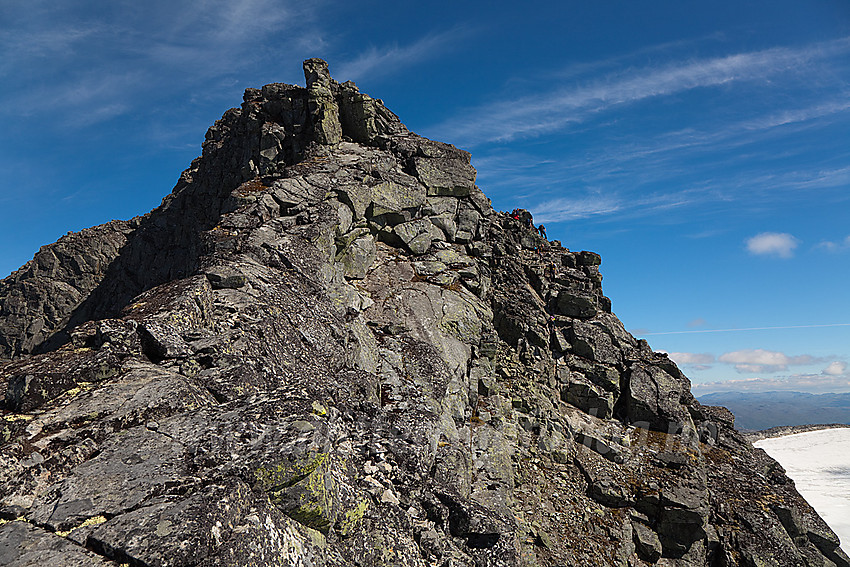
[(701, 148)]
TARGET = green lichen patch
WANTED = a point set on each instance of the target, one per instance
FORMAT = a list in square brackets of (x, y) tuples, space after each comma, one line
[(353, 517), (305, 490), (319, 409), (17, 417), (93, 521), (273, 478)]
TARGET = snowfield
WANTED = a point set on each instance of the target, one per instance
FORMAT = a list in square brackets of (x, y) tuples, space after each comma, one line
[(819, 464)]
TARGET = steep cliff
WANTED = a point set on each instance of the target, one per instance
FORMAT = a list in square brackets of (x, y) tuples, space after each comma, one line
[(326, 348)]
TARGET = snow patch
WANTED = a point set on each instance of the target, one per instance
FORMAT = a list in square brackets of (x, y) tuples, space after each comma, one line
[(819, 464)]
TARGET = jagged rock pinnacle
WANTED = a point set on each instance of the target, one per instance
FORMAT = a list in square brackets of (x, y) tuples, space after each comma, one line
[(316, 73), (324, 110), (326, 348)]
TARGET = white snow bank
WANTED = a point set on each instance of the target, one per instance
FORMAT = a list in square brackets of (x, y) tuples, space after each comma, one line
[(819, 464)]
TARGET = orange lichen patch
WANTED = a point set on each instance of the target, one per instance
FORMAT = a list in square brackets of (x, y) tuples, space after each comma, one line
[(305, 165), (716, 455), (252, 186), (661, 441)]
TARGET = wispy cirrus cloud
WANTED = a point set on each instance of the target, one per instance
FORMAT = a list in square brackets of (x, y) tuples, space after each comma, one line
[(552, 111), (565, 209), (90, 66), (381, 60), (659, 49), (697, 159), (33, 43), (747, 329), (208, 36), (837, 177), (611, 205), (796, 115)]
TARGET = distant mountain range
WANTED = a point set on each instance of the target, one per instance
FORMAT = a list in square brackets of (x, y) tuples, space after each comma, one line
[(762, 410)]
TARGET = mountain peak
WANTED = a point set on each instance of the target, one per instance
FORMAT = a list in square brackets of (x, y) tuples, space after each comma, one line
[(325, 347)]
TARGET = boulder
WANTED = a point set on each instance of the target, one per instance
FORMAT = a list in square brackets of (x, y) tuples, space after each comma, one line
[(393, 197), (358, 257), (445, 176), (24, 545), (445, 222), (415, 235), (646, 542), (356, 196), (654, 400), (587, 396), (592, 342), (437, 206), (575, 305)]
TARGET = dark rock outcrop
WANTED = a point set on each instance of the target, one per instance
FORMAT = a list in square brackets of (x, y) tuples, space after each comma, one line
[(326, 348)]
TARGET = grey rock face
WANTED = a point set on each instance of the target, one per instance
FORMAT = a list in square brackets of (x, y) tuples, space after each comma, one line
[(326, 348), (24, 545)]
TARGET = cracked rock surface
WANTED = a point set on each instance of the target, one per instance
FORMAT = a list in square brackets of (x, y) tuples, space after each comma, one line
[(326, 348)]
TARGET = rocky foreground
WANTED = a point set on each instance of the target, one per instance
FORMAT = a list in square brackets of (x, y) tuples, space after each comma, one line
[(326, 348)]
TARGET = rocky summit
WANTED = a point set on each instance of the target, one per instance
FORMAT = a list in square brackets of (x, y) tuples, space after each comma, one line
[(326, 348)]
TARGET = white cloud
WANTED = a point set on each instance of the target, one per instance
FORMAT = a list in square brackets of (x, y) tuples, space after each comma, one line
[(813, 383), (763, 361), (691, 358), (831, 246), (835, 368), (779, 244), (747, 368), (746, 329)]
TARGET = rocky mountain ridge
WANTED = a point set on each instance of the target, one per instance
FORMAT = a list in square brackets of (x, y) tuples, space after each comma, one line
[(326, 348)]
